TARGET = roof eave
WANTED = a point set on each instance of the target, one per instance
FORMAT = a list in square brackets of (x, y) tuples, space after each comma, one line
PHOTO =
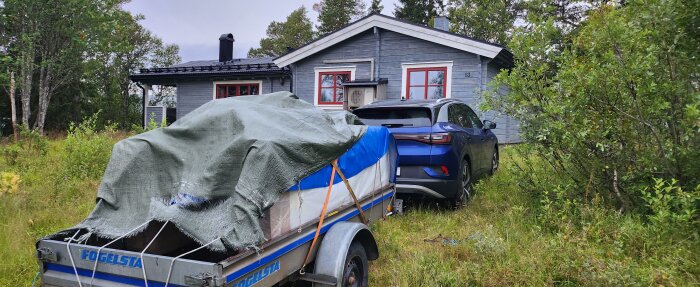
[(167, 79), (388, 23)]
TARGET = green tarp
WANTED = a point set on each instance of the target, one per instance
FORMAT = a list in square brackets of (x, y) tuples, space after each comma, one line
[(213, 172)]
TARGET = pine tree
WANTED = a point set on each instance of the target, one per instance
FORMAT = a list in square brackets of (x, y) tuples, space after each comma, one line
[(419, 11), (376, 7), (296, 31), (334, 14), (490, 20)]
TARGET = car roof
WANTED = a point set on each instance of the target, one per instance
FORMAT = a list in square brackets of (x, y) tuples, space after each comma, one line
[(408, 103)]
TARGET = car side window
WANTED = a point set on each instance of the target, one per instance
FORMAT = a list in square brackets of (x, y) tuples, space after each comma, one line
[(476, 122), (458, 116), (452, 114)]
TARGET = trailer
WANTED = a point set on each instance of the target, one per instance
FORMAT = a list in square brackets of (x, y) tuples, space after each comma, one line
[(346, 244), (217, 200)]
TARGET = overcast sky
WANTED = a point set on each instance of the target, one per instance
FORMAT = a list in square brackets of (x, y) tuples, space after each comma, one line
[(195, 26)]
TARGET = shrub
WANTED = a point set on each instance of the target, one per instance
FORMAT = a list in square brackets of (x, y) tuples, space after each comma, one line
[(86, 150), (9, 182), (30, 146), (151, 125), (611, 104), (669, 204)]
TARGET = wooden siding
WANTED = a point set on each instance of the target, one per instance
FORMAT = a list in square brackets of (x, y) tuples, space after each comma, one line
[(192, 94), (155, 113), (397, 49), (470, 72), (360, 46), (507, 128)]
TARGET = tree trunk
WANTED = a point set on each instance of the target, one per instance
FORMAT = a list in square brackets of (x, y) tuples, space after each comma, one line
[(45, 78), (125, 95), (13, 106), (27, 73), (616, 190)]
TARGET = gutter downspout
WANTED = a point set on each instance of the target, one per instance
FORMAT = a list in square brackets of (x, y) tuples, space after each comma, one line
[(291, 78), (143, 105), (377, 51)]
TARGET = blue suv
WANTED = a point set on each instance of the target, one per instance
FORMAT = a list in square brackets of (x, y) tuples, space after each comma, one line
[(443, 145)]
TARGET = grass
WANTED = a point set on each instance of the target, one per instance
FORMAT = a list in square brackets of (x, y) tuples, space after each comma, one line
[(49, 199), (500, 238), (503, 238)]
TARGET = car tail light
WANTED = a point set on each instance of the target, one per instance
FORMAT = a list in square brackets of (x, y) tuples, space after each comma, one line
[(444, 170), (441, 138), (435, 138)]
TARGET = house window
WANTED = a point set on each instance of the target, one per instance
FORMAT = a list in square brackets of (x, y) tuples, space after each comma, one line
[(426, 83), (330, 88), (235, 90)]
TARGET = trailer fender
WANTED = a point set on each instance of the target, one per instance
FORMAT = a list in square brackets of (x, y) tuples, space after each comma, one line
[(330, 258)]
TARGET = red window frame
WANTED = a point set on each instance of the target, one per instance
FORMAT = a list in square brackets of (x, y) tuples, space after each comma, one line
[(334, 86), (238, 89), (426, 85)]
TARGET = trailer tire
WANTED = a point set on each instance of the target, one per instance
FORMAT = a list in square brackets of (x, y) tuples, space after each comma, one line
[(356, 267), (343, 244)]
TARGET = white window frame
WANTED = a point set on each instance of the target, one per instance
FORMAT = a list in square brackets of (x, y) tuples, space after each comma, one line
[(259, 82), (442, 64), (319, 70)]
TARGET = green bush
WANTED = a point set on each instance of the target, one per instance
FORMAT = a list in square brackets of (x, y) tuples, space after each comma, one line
[(86, 150), (30, 146), (151, 125), (611, 104), (670, 205)]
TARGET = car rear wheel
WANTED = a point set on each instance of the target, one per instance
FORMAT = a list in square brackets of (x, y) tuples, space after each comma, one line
[(465, 187)]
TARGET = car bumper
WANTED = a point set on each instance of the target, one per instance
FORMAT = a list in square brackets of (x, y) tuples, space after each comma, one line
[(432, 188)]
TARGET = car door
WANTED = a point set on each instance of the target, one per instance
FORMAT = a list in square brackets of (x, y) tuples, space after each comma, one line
[(464, 132), (481, 142)]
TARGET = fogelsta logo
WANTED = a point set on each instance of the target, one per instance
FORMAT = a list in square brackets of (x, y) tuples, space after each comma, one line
[(111, 258), (260, 275)]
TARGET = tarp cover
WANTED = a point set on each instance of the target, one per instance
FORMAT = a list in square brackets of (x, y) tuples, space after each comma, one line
[(213, 172)]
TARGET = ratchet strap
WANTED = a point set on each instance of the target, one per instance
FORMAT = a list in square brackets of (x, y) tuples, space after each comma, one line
[(347, 184), (323, 215), (335, 169)]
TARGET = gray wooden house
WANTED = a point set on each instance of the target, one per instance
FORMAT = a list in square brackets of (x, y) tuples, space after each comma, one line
[(377, 57)]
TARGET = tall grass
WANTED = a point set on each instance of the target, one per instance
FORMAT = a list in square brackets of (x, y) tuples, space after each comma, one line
[(503, 237), (507, 237), (58, 183)]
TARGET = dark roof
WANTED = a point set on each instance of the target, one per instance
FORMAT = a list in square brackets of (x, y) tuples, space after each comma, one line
[(211, 68), (408, 103), (505, 57)]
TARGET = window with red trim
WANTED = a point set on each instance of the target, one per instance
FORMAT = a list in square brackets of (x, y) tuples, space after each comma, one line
[(235, 90), (426, 83), (330, 88)]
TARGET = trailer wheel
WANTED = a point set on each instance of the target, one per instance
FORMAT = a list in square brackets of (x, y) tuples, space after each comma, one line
[(356, 266), (344, 253)]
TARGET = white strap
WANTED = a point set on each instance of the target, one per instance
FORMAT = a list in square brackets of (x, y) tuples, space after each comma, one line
[(97, 259), (70, 255), (170, 270), (143, 263)]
